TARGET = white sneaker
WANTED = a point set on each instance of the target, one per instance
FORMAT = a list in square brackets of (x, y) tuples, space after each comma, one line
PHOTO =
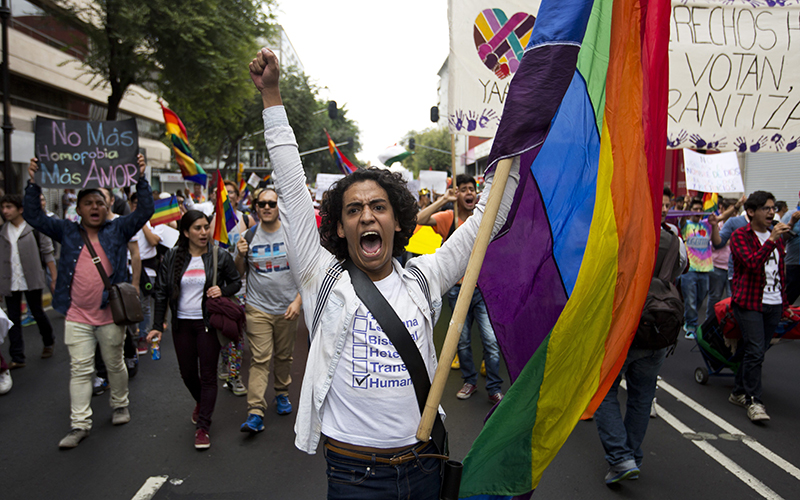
[(5, 382), (756, 412), (653, 410)]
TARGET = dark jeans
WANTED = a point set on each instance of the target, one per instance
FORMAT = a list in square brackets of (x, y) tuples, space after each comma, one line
[(757, 331), (718, 288), (196, 346), (355, 479), (792, 283), (622, 439), (14, 303)]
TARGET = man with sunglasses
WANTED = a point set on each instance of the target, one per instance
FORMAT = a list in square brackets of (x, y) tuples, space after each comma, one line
[(272, 307), (758, 295)]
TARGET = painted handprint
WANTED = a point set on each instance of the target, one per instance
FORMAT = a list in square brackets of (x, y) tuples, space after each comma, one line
[(472, 121), (741, 144), (487, 116), (792, 144), (778, 140), (677, 140), (457, 120), (699, 142), (716, 144), (756, 146)]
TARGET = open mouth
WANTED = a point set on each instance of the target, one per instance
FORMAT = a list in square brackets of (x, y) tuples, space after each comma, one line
[(371, 243), (469, 200)]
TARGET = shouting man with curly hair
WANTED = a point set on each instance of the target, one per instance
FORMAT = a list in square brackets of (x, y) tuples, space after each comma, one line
[(357, 390)]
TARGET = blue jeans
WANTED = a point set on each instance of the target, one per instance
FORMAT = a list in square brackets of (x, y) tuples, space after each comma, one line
[(491, 351), (354, 479), (622, 439), (757, 331), (718, 288), (694, 286)]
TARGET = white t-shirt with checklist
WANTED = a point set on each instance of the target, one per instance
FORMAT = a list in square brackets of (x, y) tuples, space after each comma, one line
[(371, 381)]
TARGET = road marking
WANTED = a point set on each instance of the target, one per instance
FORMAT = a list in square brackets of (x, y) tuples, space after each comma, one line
[(730, 429), (734, 468), (150, 488)]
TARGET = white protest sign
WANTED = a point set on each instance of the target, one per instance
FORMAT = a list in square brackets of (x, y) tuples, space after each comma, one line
[(413, 186), (712, 173), (733, 65), (487, 40), (435, 180), (324, 182), (253, 180), (169, 236)]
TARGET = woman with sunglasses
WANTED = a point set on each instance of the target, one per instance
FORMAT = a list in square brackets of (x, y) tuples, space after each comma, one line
[(184, 283)]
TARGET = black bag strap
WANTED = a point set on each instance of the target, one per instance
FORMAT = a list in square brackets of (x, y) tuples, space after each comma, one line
[(95, 259), (214, 258), (398, 334), (665, 271)]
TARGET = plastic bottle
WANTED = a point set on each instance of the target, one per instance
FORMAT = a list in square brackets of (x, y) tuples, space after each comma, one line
[(156, 349)]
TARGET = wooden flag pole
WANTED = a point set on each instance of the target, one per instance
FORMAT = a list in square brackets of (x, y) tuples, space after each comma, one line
[(464, 298)]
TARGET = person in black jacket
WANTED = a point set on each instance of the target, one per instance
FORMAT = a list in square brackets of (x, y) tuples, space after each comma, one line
[(184, 283)]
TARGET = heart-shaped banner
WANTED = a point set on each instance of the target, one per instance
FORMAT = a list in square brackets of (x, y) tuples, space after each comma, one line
[(501, 41)]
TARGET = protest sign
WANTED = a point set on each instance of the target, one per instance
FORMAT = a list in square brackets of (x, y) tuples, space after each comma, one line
[(732, 69), (435, 180), (324, 181), (487, 41), (717, 173), (253, 181), (86, 154)]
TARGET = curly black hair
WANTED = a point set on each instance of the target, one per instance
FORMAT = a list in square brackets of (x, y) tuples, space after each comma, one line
[(403, 204)]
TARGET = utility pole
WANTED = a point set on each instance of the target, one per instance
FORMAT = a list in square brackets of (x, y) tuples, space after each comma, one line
[(8, 128)]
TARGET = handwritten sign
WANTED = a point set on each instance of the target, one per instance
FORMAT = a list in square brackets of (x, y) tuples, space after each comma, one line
[(435, 180), (487, 41), (733, 68), (324, 182), (84, 154), (712, 173)]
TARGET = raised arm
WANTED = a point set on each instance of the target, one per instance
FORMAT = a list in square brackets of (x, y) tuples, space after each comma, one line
[(131, 224), (424, 215), (32, 208)]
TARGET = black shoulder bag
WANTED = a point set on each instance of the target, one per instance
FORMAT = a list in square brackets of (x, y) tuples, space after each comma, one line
[(122, 297)]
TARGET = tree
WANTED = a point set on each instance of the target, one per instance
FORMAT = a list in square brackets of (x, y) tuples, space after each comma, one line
[(423, 158)]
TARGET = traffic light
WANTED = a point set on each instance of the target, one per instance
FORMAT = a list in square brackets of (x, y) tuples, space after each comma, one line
[(412, 143), (435, 114), (333, 112)]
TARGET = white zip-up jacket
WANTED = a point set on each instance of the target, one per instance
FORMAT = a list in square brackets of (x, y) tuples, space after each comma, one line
[(309, 261)]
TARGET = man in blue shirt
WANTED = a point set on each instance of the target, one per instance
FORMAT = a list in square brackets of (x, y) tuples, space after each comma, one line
[(792, 259)]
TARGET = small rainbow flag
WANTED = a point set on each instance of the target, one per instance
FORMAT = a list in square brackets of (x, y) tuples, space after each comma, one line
[(190, 170), (341, 160), (710, 202), (225, 215), (166, 211)]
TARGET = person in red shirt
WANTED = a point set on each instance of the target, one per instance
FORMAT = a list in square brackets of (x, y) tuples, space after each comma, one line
[(758, 295)]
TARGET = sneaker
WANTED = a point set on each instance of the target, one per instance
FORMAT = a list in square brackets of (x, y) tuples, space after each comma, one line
[(236, 387), (201, 440), (466, 391), (47, 352), (222, 370), (99, 386), (282, 404), (653, 410), (496, 398), (16, 364), (5, 381), (142, 347), (613, 476), (133, 365), (456, 364), (196, 413), (120, 416), (756, 412), (689, 331), (483, 368), (253, 424), (72, 439), (738, 400)]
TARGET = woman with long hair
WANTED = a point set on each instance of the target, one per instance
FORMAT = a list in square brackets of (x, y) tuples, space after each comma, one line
[(184, 283)]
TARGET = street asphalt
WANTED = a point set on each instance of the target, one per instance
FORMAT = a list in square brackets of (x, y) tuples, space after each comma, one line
[(699, 460)]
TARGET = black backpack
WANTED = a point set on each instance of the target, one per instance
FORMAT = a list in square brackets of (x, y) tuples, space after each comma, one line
[(662, 315)]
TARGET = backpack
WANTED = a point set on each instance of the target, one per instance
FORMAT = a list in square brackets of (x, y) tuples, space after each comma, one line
[(662, 315)]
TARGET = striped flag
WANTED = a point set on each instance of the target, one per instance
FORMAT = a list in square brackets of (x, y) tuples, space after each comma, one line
[(392, 154), (710, 202), (344, 165), (190, 170), (166, 211), (225, 215), (586, 117)]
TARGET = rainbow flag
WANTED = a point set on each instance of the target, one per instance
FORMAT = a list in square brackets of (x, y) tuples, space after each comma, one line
[(190, 170), (166, 211), (710, 202), (341, 160), (586, 117), (225, 215)]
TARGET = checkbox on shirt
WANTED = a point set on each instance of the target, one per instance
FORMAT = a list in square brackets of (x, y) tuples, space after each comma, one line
[(360, 338), (360, 324), (359, 367), (359, 352), (360, 381)]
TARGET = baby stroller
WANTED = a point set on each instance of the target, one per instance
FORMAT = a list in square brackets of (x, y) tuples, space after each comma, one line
[(717, 340)]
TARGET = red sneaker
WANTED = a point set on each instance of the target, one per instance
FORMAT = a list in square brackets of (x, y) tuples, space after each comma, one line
[(466, 391), (496, 398), (201, 439), (196, 414)]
